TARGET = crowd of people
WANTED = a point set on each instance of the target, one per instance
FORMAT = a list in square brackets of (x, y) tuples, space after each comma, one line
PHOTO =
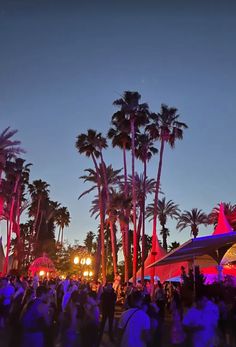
[(75, 313)]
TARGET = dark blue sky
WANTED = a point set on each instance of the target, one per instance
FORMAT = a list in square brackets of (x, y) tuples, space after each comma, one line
[(63, 63)]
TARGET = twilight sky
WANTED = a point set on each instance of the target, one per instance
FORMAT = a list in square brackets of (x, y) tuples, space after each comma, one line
[(63, 63)]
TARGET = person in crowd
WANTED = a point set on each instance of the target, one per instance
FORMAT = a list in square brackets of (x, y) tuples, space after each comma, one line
[(116, 284), (89, 327), (15, 311), (152, 310), (70, 336), (178, 336), (134, 324), (6, 294), (108, 301), (35, 319), (201, 322)]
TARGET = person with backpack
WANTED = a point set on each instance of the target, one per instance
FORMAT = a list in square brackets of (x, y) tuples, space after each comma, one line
[(134, 325)]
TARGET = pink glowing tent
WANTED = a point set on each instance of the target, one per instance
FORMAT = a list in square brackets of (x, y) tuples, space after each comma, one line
[(162, 273), (214, 254)]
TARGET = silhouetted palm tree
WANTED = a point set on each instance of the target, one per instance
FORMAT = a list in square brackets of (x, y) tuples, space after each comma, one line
[(39, 191), (192, 219), (9, 148), (165, 209), (173, 245), (62, 220), (87, 144), (137, 114), (144, 151), (167, 128)]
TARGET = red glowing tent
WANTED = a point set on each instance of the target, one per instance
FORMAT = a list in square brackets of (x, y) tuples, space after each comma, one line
[(163, 273), (214, 254)]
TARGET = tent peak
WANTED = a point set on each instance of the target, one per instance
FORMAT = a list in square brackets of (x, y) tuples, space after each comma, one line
[(223, 225)]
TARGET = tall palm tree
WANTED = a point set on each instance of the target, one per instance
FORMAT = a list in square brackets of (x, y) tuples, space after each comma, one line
[(119, 133), (165, 209), (192, 219), (16, 172), (109, 179), (62, 220), (120, 208), (137, 114), (144, 151), (39, 191), (167, 128), (87, 144)]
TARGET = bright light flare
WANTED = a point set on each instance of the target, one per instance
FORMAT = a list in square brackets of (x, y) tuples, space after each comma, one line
[(76, 260)]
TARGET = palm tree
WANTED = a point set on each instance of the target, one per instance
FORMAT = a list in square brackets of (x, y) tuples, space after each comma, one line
[(109, 178), (8, 148), (16, 172), (62, 220), (120, 208), (192, 219), (119, 133), (89, 241), (165, 209), (167, 128), (90, 144), (137, 114), (39, 191), (144, 151), (174, 245)]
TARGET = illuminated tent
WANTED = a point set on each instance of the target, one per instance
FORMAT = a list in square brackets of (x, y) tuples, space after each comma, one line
[(162, 273), (42, 264), (214, 254)]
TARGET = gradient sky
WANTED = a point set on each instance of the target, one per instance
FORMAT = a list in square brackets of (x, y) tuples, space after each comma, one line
[(63, 63)]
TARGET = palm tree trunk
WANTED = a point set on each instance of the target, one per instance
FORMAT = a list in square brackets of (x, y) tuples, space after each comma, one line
[(154, 229), (11, 222), (126, 231), (59, 235), (19, 260), (135, 254), (143, 213), (62, 235), (36, 217), (112, 232), (155, 212), (164, 237), (101, 222)]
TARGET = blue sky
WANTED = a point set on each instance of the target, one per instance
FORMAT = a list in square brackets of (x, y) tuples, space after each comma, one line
[(63, 63)]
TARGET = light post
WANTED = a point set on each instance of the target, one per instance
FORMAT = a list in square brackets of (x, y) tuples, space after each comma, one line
[(85, 264)]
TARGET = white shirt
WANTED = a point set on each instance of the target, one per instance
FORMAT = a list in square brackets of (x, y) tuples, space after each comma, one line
[(132, 336)]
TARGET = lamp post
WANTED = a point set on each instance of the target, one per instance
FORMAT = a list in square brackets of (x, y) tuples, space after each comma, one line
[(85, 263)]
